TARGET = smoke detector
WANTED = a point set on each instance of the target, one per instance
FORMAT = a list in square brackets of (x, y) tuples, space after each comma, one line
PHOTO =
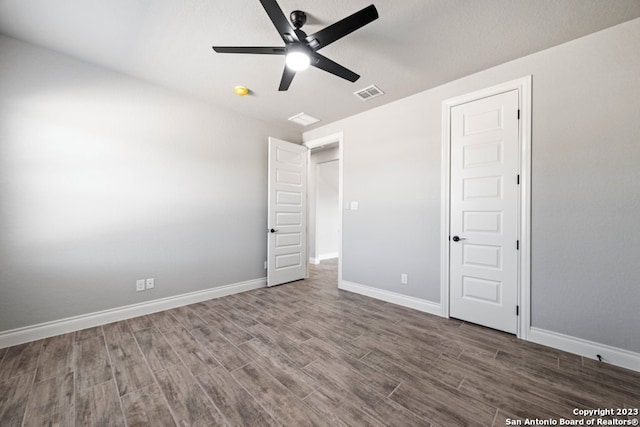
[(369, 92)]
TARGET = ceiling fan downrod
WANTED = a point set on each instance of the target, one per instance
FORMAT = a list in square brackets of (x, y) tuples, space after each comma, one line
[(298, 18)]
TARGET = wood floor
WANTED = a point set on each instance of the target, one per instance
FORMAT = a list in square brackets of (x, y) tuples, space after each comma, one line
[(299, 354)]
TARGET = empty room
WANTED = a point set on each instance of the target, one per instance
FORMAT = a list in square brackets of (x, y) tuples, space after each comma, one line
[(294, 213)]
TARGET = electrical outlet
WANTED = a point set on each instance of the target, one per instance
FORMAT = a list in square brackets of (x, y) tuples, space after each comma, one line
[(140, 285), (151, 283), (404, 279)]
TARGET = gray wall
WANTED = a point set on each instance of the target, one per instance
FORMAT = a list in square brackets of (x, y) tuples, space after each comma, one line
[(105, 179), (585, 185)]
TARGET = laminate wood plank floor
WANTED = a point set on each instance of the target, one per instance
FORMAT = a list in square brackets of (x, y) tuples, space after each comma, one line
[(299, 354)]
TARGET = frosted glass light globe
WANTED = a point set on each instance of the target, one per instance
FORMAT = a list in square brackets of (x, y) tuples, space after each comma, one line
[(297, 61)]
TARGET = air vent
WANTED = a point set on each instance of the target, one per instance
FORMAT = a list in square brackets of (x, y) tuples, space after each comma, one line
[(369, 92), (303, 119)]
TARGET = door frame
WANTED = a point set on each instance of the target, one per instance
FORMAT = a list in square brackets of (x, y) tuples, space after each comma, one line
[(523, 86), (316, 143)]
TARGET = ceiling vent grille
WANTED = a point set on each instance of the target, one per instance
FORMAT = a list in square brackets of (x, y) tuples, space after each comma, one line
[(303, 119), (369, 92)]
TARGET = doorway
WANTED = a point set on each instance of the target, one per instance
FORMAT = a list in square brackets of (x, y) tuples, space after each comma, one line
[(485, 207), (325, 201), (324, 210), (288, 207)]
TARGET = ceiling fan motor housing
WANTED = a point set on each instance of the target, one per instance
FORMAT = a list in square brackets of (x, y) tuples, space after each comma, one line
[(298, 18)]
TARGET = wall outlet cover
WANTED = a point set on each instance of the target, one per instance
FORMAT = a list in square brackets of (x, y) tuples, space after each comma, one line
[(140, 285), (150, 283)]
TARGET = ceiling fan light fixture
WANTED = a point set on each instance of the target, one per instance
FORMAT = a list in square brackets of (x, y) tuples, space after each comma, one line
[(297, 61)]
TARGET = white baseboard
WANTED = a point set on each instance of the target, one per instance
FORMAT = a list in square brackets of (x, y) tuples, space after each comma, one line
[(612, 355), (76, 323), (393, 297), (331, 255), (323, 257)]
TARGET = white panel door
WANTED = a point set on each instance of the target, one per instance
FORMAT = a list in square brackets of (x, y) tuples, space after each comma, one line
[(484, 212), (287, 215)]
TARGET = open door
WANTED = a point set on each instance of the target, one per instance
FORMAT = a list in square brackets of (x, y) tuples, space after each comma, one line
[(287, 214)]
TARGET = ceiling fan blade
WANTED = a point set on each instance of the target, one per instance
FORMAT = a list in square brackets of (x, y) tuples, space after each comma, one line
[(287, 77), (249, 49), (343, 27), (280, 21), (328, 65)]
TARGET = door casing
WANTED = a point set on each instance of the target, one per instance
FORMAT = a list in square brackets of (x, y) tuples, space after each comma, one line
[(523, 86)]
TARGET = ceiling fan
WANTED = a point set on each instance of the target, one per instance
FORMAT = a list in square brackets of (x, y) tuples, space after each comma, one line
[(301, 50)]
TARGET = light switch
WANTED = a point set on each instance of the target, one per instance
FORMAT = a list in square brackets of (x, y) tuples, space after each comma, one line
[(354, 206)]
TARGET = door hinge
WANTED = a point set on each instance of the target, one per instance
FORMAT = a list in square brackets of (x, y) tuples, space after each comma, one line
[(518, 244), (517, 310), (518, 179), (518, 114)]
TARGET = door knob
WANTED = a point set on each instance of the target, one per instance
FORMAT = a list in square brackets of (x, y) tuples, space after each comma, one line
[(273, 230), (457, 239)]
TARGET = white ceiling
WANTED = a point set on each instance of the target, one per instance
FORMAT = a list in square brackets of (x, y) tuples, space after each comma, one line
[(414, 45)]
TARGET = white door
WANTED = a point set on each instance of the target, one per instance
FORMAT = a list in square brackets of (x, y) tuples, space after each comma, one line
[(287, 215), (484, 212)]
